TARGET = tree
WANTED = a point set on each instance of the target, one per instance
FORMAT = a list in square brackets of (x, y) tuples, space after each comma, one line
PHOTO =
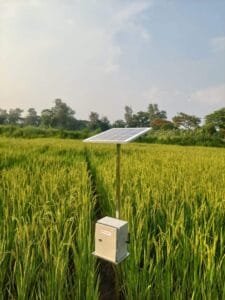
[(3, 116), (141, 119), (209, 129), (155, 113), (186, 121), (94, 120), (128, 116), (47, 118), (119, 124), (104, 123), (159, 124), (14, 116), (216, 119), (62, 115), (81, 124), (32, 118), (96, 123)]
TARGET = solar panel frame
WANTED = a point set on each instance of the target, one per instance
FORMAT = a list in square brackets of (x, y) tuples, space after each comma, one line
[(106, 136)]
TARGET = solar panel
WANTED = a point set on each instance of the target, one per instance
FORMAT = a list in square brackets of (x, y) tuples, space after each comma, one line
[(117, 135)]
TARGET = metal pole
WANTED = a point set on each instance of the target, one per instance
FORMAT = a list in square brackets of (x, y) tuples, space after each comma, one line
[(118, 148)]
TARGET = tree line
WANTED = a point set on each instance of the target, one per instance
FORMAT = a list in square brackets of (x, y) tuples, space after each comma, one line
[(61, 116)]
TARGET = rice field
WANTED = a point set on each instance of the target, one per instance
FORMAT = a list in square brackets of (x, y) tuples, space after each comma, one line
[(46, 212), (174, 200), (172, 197)]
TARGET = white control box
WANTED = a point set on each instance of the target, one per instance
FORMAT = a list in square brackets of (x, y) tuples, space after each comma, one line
[(111, 237)]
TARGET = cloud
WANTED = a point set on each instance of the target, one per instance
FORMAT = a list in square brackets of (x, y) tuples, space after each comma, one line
[(97, 55), (69, 49), (199, 102), (92, 39), (214, 95), (163, 96), (113, 55), (171, 99), (127, 19), (218, 44), (10, 8), (131, 11), (145, 35)]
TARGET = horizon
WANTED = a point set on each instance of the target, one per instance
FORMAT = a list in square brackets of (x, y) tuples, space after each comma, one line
[(25, 113)]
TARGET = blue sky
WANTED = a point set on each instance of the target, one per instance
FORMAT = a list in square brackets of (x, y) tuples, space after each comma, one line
[(102, 55)]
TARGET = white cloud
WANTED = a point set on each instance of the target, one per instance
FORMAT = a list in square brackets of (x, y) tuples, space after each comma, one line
[(214, 95), (9, 8), (67, 49), (113, 55), (171, 99), (218, 44), (123, 19), (132, 10), (163, 96), (199, 102), (126, 19), (93, 40), (145, 35), (84, 51)]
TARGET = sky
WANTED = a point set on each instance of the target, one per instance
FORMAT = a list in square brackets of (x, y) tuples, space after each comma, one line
[(100, 55)]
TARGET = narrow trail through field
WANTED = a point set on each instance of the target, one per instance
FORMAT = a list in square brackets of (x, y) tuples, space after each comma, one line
[(107, 272)]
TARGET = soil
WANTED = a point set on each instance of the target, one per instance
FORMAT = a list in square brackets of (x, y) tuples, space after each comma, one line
[(107, 280)]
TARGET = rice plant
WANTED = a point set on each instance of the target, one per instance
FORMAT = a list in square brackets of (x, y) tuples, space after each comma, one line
[(46, 222), (174, 200)]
